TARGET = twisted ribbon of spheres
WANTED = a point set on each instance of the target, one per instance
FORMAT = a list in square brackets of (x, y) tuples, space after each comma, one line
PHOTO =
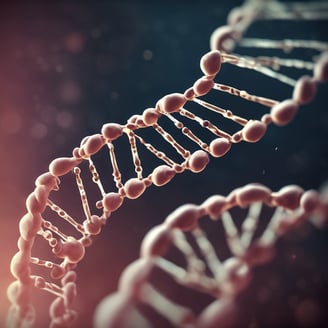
[(70, 250), (202, 270)]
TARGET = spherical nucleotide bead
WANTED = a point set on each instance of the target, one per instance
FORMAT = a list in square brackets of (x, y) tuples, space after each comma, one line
[(135, 276), (210, 63), (69, 291), (238, 275), (288, 197), (41, 194), (310, 200), (236, 15), (62, 165), (171, 103), (224, 38), (184, 217), (57, 308), (219, 147), (252, 193), (39, 282), (48, 180), (253, 131), (189, 94), (284, 112), (214, 206), (93, 227), (220, 313), (57, 272), (25, 245), (266, 119), (162, 174), (29, 225), (117, 310), (33, 205), (112, 201), (198, 161), (77, 153), (112, 131), (93, 144), (70, 276), (203, 86), (157, 241), (150, 116), (321, 68), (72, 250), (136, 121), (18, 293), (231, 198), (304, 90), (134, 188), (20, 266), (237, 137)]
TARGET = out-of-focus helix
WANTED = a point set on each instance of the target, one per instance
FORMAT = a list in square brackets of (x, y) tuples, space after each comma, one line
[(199, 266)]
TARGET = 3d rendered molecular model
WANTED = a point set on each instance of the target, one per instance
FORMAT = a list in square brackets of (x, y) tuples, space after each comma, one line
[(182, 132)]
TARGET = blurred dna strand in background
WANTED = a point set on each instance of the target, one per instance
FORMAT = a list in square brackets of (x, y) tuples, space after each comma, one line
[(199, 267)]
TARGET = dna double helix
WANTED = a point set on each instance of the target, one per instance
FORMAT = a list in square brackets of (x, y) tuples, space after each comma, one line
[(185, 125), (200, 268)]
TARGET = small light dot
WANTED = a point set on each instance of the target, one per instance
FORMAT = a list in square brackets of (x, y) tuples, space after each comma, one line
[(64, 119), (147, 54), (74, 42), (39, 130), (308, 313), (70, 92), (59, 68)]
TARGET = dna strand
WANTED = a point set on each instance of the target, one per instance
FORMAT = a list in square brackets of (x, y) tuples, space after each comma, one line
[(241, 18), (170, 112), (199, 267)]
